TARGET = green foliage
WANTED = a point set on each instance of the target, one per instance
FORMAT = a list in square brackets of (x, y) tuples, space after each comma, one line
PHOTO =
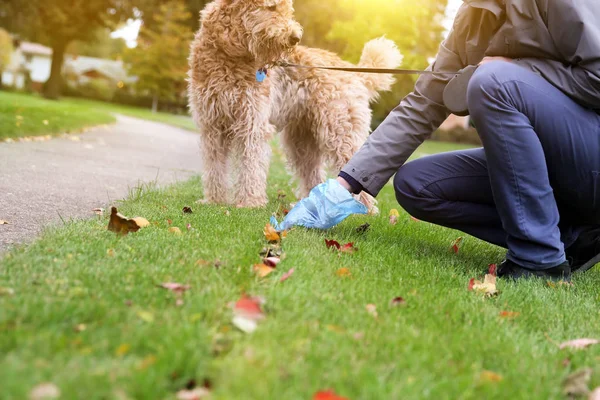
[(160, 59), (6, 49), (97, 89), (101, 46)]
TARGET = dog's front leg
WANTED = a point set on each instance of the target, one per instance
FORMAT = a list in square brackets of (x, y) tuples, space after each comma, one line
[(253, 155)]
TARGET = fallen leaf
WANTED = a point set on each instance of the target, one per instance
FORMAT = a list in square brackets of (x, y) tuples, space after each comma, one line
[(122, 350), (394, 215), (471, 284), (45, 122), (175, 230), (595, 395), (271, 261), (577, 384), (348, 248), (579, 344), (262, 270), (343, 273), (188, 227), (146, 316), (456, 245), (98, 211), (141, 222), (169, 221), (179, 302), (2, 222), (490, 376), (148, 361), (110, 252), (332, 243), (6, 291), (80, 327), (44, 391), (509, 314), (187, 210), (328, 395), (372, 309), (247, 313), (193, 394), (175, 287), (287, 275), (121, 224), (398, 301), (227, 213), (487, 287), (363, 228), (271, 234), (492, 269)]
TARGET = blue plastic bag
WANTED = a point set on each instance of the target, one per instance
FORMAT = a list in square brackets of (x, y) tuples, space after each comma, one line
[(327, 205)]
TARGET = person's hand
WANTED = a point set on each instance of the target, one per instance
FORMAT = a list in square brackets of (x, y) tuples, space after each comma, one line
[(490, 59), (344, 183)]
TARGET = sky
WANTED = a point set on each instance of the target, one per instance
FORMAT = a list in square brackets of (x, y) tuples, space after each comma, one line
[(130, 31)]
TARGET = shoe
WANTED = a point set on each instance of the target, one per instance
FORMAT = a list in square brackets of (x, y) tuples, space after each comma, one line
[(585, 252), (508, 269)]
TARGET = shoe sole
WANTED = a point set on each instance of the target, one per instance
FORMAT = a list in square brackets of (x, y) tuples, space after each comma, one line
[(588, 265)]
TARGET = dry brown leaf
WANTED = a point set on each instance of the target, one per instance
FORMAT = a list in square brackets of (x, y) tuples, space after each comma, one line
[(490, 376), (509, 314), (141, 222), (98, 211), (343, 273), (3, 222), (44, 391), (271, 234), (121, 224), (398, 301), (262, 270), (287, 275), (175, 287), (110, 252), (577, 384), (372, 309), (579, 344), (487, 287), (175, 230)]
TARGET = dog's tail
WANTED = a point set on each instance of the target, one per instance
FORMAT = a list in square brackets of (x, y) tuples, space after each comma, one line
[(380, 53)]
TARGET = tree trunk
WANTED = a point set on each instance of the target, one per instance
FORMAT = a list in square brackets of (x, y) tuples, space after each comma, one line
[(155, 103), (53, 86)]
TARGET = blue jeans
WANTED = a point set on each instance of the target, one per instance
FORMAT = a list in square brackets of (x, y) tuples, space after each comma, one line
[(535, 184)]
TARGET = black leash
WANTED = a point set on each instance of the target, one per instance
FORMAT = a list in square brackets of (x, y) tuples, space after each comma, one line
[(366, 70)]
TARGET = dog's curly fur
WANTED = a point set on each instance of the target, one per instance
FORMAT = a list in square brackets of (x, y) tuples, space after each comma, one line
[(323, 116)]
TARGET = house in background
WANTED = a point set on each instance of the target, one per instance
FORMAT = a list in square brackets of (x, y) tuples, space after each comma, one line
[(29, 65)]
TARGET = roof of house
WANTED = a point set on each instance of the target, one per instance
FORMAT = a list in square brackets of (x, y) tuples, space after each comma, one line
[(35, 48), (110, 68)]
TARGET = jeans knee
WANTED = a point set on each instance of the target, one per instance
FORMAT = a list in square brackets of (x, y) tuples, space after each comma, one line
[(485, 84), (407, 188)]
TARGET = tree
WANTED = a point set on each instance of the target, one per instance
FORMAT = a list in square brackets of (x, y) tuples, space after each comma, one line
[(6, 49), (160, 59), (102, 45), (57, 23)]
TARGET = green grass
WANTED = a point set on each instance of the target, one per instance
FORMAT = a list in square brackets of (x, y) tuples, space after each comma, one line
[(317, 334), (180, 121), (26, 115)]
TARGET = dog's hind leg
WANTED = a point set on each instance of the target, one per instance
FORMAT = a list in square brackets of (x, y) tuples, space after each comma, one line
[(304, 157), (214, 148), (253, 154)]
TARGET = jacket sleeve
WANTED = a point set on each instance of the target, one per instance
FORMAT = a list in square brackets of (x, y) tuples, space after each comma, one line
[(575, 30), (408, 125)]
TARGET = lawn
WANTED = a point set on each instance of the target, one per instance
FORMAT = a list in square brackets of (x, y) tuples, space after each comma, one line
[(23, 115), (26, 115), (81, 308)]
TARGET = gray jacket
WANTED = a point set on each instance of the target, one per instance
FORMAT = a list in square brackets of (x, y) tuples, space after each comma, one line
[(559, 39)]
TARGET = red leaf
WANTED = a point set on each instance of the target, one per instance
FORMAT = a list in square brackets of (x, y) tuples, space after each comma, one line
[(328, 395), (398, 301), (175, 287), (249, 306), (271, 261), (189, 227), (287, 275), (332, 243), (348, 248), (456, 245), (493, 269), (471, 283)]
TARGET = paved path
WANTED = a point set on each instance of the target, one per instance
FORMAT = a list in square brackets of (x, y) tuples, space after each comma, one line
[(40, 182)]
